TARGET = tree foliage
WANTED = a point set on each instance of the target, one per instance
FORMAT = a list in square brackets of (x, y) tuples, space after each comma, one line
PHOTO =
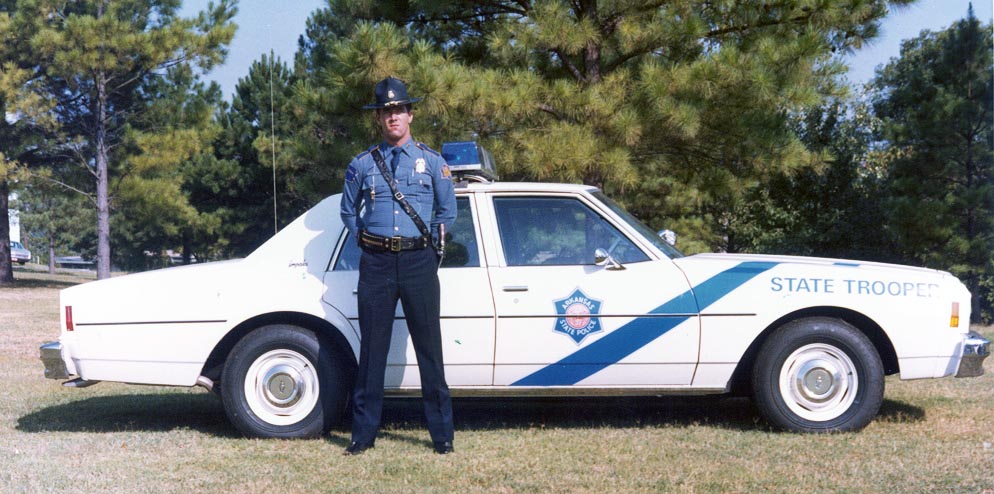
[(236, 184), (54, 220), (681, 106), (97, 55), (27, 121), (936, 103), (835, 210), (165, 143)]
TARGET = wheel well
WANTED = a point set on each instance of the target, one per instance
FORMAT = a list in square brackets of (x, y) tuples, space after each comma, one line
[(739, 384), (328, 334)]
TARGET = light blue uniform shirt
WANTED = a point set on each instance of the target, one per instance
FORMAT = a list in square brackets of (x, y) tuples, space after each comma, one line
[(422, 176)]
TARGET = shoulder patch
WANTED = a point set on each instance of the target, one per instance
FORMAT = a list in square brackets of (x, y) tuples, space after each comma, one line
[(351, 173), (424, 147), (446, 173)]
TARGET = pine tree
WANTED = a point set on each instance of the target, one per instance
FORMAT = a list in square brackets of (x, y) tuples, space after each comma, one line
[(937, 103), (166, 140), (238, 183), (96, 55), (55, 217), (834, 210), (680, 108), (28, 122)]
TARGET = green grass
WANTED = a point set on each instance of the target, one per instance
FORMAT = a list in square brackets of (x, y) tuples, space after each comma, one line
[(932, 436)]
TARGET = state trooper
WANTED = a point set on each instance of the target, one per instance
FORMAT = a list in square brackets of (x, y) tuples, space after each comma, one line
[(400, 260)]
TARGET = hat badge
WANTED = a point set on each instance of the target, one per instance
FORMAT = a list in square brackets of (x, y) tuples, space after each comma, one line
[(390, 94)]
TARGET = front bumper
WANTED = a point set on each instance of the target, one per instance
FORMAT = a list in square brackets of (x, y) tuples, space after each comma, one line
[(55, 363), (976, 348)]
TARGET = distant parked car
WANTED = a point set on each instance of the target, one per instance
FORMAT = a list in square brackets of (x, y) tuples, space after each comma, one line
[(18, 253)]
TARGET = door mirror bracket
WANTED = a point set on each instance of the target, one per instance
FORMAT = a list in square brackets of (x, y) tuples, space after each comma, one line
[(602, 258)]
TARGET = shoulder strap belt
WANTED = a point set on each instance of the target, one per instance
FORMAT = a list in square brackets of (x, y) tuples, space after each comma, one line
[(399, 196)]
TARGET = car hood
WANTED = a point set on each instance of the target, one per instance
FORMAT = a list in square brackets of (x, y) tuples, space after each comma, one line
[(184, 293)]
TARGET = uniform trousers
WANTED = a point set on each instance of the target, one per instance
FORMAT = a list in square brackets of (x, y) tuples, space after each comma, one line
[(412, 277)]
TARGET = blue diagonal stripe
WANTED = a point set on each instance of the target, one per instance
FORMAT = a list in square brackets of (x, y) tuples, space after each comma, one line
[(639, 332)]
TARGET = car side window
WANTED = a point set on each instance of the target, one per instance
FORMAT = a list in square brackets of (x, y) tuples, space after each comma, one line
[(461, 250), (556, 231)]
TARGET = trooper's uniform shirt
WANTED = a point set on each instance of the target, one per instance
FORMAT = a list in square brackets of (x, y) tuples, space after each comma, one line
[(421, 175)]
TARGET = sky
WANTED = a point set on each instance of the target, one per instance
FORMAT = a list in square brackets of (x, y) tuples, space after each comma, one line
[(265, 25)]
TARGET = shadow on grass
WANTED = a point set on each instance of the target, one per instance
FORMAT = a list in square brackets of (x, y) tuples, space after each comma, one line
[(136, 412), (897, 412), (204, 413), (731, 413), (584, 412)]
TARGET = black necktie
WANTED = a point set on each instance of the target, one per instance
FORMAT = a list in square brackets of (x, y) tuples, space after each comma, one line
[(395, 161)]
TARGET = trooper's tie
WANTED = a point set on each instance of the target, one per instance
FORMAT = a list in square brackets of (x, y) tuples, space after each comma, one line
[(394, 161)]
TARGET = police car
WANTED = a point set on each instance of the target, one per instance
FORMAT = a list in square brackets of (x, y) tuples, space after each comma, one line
[(547, 289)]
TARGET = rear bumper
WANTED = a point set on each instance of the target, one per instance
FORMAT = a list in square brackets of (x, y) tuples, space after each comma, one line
[(52, 356), (976, 348)]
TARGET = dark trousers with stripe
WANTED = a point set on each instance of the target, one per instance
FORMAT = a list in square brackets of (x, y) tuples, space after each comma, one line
[(384, 278)]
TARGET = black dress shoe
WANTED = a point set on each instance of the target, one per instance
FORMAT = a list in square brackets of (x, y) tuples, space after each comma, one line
[(444, 447), (356, 448)]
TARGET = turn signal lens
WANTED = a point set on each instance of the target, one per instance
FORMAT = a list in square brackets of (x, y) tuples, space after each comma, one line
[(954, 318), (69, 326)]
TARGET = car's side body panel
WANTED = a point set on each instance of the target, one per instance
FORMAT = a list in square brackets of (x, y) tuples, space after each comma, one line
[(516, 325), (913, 307)]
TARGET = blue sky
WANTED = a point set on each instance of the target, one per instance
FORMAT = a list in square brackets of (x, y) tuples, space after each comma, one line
[(265, 25)]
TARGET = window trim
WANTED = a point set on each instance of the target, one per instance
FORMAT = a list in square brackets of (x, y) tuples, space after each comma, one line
[(605, 213)]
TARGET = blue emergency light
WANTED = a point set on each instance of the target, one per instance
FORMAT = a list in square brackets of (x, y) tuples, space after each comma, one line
[(469, 161)]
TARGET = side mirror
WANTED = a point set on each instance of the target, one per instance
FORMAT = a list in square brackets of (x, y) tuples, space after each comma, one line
[(602, 258), (668, 236)]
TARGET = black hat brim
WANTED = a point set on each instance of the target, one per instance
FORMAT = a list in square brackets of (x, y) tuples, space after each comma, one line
[(376, 106)]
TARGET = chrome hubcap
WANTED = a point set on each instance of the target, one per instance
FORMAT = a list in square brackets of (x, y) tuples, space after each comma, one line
[(818, 382), (281, 387)]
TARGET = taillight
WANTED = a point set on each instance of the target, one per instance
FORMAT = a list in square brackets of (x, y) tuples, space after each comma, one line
[(69, 326), (954, 317)]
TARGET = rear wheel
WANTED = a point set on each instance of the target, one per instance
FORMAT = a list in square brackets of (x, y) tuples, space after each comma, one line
[(281, 381), (818, 375)]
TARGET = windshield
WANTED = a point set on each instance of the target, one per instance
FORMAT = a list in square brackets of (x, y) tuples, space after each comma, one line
[(640, 227)]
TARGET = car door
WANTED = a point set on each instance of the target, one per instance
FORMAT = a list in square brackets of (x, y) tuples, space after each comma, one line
[(562, 320), (467, 310)]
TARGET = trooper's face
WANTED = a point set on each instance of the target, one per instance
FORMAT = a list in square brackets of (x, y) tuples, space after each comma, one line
[(395, 122)]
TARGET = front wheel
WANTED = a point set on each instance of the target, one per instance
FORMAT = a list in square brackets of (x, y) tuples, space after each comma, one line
[(280, 381), (818, 375)]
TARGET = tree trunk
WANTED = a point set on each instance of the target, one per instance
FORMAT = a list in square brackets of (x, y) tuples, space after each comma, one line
[(6, 267), (187, 248), (51, 253), (103, 202)]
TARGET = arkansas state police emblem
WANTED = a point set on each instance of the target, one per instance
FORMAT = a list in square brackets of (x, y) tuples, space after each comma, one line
[(578, 316)]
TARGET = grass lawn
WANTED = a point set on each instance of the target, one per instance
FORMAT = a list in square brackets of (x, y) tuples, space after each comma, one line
[(932, 436)]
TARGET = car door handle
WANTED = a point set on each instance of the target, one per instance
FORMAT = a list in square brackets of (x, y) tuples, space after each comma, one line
[(515, 288)]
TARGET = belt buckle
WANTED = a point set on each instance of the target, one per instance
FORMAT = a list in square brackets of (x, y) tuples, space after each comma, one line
[(395, 244)]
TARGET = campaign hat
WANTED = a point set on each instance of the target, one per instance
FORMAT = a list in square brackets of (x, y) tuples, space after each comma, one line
[(390, 92)]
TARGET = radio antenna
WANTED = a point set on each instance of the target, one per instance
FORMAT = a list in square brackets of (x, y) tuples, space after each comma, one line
[(272, 126)]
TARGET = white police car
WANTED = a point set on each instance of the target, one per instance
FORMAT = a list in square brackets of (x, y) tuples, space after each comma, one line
[(546, 290)]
